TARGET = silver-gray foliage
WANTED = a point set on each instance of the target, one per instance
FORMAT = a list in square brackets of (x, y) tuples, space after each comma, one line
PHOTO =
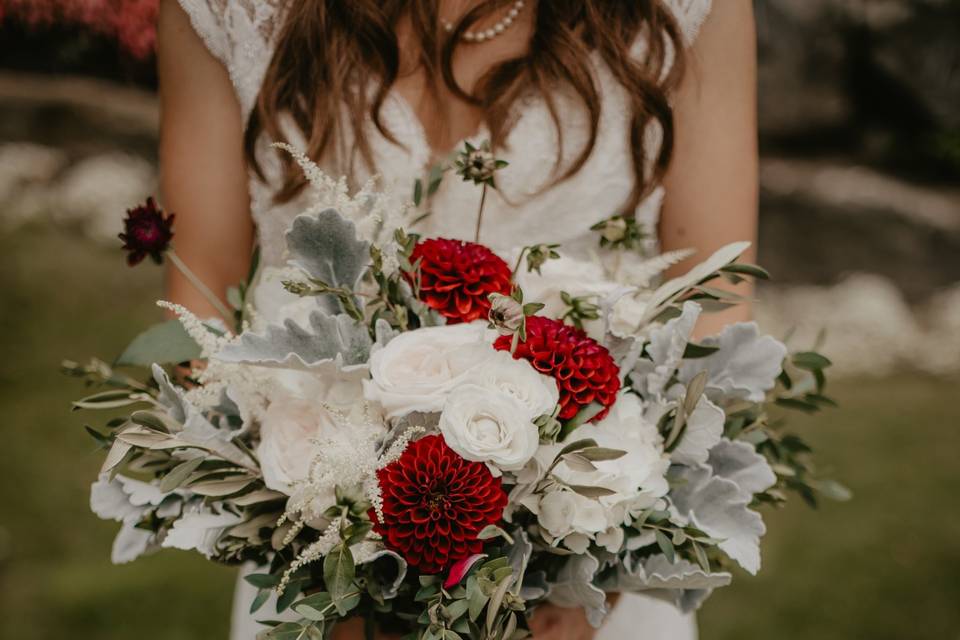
[(682, 583), (574, 587), (328, 338), (326, 247)]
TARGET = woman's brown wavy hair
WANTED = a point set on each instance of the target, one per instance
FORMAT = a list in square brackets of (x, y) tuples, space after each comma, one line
[(331, 51)]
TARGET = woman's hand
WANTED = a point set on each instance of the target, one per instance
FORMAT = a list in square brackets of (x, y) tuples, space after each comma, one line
[(550, 622)]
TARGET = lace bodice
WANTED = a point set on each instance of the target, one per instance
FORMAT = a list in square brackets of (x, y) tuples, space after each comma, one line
[(241, 34)]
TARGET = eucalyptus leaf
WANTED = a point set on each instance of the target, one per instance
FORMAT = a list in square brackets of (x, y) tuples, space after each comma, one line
[(592, 492), (164, 343), (666, 546), (339, 572), (178, 475), (224, 487), (602, 454)]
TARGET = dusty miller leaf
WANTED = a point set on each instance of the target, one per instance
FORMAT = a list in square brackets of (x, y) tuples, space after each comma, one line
[(326, 246), (328, 338)]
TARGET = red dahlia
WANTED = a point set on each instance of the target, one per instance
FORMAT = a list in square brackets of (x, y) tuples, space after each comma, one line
[(456, 277), (146, 232), (584, 370), (435, 503)]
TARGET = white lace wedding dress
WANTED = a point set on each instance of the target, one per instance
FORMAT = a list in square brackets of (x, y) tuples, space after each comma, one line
[(241, 34)]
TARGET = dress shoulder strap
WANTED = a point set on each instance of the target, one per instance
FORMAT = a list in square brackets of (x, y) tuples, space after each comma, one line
[(240, 34)]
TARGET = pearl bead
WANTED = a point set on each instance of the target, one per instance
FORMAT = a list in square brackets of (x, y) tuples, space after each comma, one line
[(491, 33)]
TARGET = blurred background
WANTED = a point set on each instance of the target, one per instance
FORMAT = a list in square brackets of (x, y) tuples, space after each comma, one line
[(860, 173)]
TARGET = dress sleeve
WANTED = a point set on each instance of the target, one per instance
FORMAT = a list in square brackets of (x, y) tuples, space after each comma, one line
[(209, 20), (690, 14)]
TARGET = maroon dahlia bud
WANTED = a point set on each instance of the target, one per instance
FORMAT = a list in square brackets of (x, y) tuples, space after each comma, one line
[(435, 504), (584, 370), (457, 277), (147, 231)]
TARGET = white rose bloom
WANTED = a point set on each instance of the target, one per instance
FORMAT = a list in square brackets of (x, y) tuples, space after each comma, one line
[(556, 513), (518, 379), (417, 370), (302, 414), (637, 479), (485, 424)]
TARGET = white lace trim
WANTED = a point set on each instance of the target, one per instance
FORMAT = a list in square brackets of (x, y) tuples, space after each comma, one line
[(691, 14)]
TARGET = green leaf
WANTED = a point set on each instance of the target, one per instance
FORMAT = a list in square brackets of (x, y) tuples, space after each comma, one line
[(591, 492), (163, 343), (833, 490), (601, 454), (577, 445), (456, 609), (702, 559), (694, 351), (476, 599), (796, 403), (436, 177), (585, 415), (101, 439), (316, 607), (262, 580), (339, 572), (179, 474), (666, 546), (810, 361), (291, 593), (493, 531), (417, 192), (747, 269), (222, 487), (262, 596)]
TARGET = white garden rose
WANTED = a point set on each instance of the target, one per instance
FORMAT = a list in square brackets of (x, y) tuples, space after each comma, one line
[(556, 513), (563, 513), (640, 474), (518, 379), (417, 370), (636, 479), (484, 424), (303, 415)]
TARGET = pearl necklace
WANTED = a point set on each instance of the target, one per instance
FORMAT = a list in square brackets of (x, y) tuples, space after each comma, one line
[(489, 34)]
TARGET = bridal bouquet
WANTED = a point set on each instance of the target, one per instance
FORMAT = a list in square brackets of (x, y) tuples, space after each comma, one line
[(420, 433)]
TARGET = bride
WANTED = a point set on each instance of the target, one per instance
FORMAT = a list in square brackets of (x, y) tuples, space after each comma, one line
[(637, 107)]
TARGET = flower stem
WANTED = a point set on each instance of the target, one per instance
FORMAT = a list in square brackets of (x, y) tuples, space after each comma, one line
[(483, 200), (199, 286)]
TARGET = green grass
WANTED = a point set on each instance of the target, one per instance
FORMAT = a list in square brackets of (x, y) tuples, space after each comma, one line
[(886, 565)]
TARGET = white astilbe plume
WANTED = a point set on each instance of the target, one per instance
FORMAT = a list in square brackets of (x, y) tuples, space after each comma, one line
[(376, 212), (250, 389), (339, 463), (208, 341), (313, 552)]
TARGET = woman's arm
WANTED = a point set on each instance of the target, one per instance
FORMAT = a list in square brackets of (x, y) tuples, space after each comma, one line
[(203, 172), (711, 185)]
